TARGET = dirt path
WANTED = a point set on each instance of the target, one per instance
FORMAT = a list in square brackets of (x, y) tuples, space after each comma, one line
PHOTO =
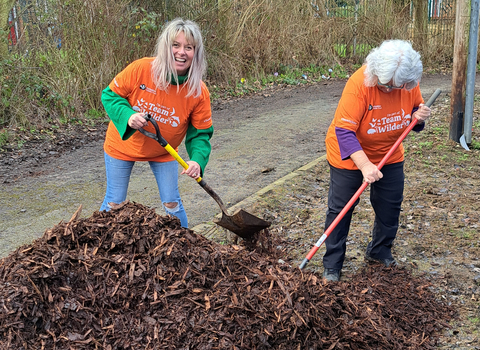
[(257, 140)]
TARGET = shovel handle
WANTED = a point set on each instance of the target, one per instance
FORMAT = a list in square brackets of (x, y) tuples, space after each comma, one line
[(158, 137), (357, 194)]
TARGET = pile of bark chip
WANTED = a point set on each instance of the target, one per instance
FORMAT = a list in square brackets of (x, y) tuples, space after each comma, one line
[(131, 279)]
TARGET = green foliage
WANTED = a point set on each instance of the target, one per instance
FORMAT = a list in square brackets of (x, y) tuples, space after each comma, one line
[(343, 50), (24, 92), (475, 145), (146, 30), (4, 138), (95, 116), (426, 144), (437, 130), (462, 156)]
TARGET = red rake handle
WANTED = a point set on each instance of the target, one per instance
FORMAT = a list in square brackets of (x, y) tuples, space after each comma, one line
[(364, 186)]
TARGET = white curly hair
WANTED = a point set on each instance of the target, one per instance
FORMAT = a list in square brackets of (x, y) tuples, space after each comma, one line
[(396, 61)]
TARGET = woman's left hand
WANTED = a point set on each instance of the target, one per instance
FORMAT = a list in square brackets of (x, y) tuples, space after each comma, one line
[(193, 170), (422, 113)]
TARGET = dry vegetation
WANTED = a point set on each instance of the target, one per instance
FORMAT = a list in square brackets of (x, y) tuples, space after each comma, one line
[(45, 88)]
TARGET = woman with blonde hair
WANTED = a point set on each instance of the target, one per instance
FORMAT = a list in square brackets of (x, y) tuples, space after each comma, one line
[(170, 89)]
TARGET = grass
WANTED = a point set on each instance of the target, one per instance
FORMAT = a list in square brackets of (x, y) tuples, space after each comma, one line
[(360, 50), (289, 76), (426, 144), (4, 138)]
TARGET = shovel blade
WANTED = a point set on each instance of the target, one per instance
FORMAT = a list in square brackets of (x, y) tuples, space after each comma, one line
[(242, 223)]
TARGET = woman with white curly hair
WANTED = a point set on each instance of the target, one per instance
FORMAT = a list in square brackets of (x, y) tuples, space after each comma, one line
[(378, 102)]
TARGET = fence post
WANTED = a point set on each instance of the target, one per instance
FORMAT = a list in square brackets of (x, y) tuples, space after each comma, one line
[(224, 8), (421, 22), (459, 70)]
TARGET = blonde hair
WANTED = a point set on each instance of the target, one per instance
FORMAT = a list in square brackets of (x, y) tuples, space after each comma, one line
[(163, 68), (394, 60)]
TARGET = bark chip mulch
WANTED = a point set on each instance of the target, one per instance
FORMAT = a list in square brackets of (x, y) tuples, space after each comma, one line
[(132, 279)]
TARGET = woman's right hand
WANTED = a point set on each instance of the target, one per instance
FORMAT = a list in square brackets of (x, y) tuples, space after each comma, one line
[(137, 121), (369, 170), (371, 173)]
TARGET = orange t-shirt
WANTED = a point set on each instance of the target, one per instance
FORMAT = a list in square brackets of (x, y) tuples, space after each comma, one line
[(377, 118), (172, 110)]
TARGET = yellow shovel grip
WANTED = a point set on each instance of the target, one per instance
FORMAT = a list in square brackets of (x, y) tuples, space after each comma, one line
[(179, 159)]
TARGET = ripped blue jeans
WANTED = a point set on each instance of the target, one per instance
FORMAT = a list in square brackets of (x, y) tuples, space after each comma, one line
[(166, 174)]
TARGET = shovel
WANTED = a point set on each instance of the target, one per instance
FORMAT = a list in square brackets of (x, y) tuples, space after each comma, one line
[(241, 223), (364, 186)]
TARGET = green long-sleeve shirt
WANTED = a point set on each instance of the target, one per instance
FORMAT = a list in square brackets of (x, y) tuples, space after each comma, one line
[(197, 141)]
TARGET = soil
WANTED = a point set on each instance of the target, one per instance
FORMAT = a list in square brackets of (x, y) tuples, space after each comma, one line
[(258, 140)]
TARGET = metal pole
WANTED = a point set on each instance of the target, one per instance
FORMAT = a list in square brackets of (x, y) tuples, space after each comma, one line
[(471, 70), (457, 100)]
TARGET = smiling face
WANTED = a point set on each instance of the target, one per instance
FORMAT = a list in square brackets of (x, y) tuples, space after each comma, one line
[(183, 53)]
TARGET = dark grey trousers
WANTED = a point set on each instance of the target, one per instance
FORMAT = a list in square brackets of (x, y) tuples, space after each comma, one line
[(386, 196)]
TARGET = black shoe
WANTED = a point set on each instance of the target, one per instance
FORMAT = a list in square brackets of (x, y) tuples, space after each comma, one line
[(332, 275), (388, 262)]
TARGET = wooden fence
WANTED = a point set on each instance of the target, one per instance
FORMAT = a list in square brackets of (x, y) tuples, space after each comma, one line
[(439, 18)]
